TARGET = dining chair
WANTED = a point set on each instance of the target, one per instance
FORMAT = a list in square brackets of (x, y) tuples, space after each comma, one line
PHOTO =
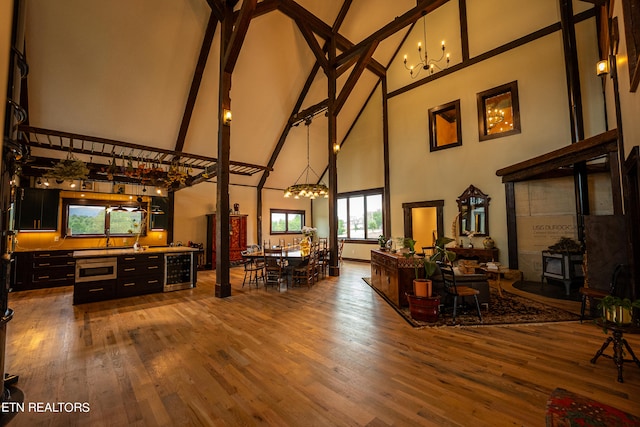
[(253, 269), (274, 267), (306, 272), (322, 259), (455, 291)]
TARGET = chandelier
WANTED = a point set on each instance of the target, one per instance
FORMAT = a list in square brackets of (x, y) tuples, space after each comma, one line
[(307, 189), (426, 63), (494, 117)]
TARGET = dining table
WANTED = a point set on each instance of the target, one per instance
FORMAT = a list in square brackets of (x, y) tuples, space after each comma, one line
[(291, 254)]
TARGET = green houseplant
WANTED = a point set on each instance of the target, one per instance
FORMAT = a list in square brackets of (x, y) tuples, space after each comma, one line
[(382, 241), (617, 310)]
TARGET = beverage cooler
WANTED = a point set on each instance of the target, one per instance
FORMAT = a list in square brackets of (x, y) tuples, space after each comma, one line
[(178, 271)]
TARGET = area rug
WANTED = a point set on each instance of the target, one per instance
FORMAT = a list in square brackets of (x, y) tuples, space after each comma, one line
[(506, 310), (549, 290), (565, 408)]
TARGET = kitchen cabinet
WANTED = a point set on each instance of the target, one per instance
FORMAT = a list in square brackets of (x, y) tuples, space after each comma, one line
[(159, 221), (140, 274), (43, 269), (37, 209), (237, 238)]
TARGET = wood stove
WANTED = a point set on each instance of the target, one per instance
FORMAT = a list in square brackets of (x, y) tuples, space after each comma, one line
[(564, 267)]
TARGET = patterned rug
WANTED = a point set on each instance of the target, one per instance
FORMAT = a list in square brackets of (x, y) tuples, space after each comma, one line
[(506, 310), (565, 408)]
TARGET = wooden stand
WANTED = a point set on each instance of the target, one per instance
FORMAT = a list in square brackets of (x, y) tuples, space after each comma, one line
[(619, 344)]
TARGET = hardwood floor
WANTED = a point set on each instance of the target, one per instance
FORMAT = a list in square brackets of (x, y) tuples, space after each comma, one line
[(336, 354)]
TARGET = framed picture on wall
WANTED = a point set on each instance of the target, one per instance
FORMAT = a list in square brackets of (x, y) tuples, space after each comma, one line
[(445, 130), (498, 112)]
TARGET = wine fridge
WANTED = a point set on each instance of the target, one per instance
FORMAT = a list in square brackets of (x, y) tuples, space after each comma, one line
[(178, 271)]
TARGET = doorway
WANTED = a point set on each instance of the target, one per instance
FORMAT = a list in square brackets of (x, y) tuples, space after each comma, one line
[(423, 221)]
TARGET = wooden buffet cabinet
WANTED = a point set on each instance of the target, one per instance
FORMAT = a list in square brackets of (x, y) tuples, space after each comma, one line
[(237, 240), (392, 274), (481, 254)]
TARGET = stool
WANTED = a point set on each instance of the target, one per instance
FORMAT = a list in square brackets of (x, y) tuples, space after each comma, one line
[(618, 343)]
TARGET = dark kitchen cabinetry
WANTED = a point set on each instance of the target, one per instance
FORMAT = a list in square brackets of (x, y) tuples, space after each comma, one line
[(94, 291), (159, 219), (140, 274), (37, 209), (237, 238), (43, 269)]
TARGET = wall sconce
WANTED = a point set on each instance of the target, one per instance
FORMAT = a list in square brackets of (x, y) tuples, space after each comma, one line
[(227, 117), (336, 148), (602, 67)]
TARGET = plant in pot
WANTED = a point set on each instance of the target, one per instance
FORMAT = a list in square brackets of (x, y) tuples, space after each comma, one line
[(440, 250), (617, 310), (422, 305), (410, 244), (382, 241)]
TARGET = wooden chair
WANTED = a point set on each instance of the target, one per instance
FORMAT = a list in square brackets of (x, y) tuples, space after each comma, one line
[(449, 279), (323, 242), (322, 262), (274, 267), (592, 294), (253, 270), (306, 273), (428, 250)]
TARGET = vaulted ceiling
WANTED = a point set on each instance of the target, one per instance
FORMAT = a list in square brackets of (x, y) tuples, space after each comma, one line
[(146, 74)]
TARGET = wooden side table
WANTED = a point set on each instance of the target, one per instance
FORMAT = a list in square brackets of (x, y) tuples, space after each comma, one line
[(619, 344), (496, 275)]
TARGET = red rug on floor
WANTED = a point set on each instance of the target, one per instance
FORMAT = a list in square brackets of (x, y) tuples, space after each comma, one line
[(565, 408)]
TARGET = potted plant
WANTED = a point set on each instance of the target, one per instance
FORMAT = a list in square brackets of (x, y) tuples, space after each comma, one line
[(382, 241), (441, 253), (410, 244), (617, 310), (422, 305)]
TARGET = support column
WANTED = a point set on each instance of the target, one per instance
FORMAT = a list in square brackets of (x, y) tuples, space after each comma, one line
[(223, 285), (334, 264), (581, 184)]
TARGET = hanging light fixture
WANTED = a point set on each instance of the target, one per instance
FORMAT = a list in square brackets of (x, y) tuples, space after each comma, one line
[(156, 210), (307, 189), (426, 63)]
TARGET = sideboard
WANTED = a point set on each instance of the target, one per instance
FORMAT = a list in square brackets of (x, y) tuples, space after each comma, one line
[(481, 254), (392, 274)]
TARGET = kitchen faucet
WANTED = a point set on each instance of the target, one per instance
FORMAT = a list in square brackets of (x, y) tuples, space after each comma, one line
[(108, 234)]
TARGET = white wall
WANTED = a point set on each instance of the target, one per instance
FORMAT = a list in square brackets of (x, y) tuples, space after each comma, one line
[(538, 67)]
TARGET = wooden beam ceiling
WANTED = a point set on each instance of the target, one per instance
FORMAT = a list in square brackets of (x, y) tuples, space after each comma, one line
[(581, 151)]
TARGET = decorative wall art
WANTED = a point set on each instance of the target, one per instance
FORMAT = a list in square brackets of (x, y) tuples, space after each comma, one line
[(445, 126), (498, 112)]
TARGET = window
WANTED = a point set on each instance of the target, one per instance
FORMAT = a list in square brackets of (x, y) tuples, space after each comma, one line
[(91, 218), (360, 215), (286, 221)]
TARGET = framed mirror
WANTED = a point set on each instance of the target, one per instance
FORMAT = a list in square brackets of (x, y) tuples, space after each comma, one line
[(444, 126), (498, 111), (473, 207)]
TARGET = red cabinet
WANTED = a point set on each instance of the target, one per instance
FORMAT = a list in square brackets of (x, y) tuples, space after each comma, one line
[(237, 238)]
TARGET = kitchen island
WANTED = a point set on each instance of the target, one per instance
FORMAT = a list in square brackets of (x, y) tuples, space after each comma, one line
[(102, 274)]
